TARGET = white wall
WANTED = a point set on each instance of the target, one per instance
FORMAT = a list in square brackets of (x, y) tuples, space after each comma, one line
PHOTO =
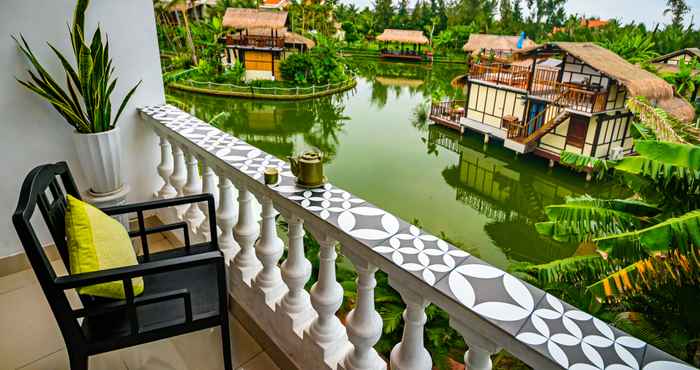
[(31, 133)]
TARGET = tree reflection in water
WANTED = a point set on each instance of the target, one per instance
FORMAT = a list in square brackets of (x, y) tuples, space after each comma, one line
[(273, 126)]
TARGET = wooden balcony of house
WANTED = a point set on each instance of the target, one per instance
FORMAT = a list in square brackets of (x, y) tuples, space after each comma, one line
[(587, 98), (448, 113), (501, 74), (256, 41)]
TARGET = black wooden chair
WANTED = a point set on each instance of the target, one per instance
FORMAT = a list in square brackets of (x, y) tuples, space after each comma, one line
[(185, 289)]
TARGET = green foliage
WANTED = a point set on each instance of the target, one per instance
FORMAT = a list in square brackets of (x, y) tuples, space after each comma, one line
[(320, 65), (687, 79), (86, 102)]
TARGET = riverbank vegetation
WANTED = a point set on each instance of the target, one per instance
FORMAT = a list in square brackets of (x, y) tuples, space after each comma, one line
[(637, 265)]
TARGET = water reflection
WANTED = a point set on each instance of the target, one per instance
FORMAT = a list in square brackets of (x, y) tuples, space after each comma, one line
[(511, 193), (275, 127)]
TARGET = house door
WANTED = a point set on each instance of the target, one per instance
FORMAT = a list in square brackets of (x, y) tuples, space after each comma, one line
[(535, 109), (578, 128), (258, 61)]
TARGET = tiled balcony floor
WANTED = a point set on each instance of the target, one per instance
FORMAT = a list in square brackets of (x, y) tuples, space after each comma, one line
[(30, 338)]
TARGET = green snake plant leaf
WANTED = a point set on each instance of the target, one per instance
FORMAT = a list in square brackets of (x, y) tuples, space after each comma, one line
[(85, 101), (125, 101)]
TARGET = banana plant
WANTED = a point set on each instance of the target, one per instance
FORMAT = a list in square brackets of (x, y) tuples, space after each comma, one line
[(639, 242), (85, 102)]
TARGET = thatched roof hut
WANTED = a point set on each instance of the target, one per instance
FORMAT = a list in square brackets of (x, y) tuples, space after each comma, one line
[(244, 18), (637, 81), (690, 52), (403, 36), (297, 39), (478, 42)]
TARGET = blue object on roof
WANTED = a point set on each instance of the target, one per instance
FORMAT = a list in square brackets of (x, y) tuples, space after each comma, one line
[(521, 40)]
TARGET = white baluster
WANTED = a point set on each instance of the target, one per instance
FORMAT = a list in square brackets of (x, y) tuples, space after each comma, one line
[(326, 298), (165, 169), (478, 357), (364, 325), (179, 176), (192, 187), (225, 216), (410, 353), (269, 249), (296, 270), (245, 232), (208, 187)]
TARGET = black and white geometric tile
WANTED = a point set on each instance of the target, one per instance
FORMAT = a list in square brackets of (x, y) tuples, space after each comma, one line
[(656, 359), (491, 293), (577, 340), (422, 254)]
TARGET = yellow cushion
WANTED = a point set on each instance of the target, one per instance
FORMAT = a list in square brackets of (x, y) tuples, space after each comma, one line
[(98, 242)]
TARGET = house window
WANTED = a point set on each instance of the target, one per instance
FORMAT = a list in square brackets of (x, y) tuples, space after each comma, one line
[(578, 127)]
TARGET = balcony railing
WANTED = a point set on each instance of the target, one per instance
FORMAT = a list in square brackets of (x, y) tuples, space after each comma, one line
[(256, 41), (490, 308), (452, 110), (501, 74), (575, 97)]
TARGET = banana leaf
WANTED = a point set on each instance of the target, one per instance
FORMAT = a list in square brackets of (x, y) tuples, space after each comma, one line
[(675, 233)]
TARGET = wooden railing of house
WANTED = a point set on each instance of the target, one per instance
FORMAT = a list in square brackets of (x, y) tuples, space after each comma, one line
[(257, 41), (489, 308), (501, 74), (576, 98), (449, 109)]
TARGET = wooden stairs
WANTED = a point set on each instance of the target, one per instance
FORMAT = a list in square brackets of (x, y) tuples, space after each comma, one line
[(553, 115)]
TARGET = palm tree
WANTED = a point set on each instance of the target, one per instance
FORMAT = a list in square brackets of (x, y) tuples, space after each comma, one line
[(677, 9), (182, 6)]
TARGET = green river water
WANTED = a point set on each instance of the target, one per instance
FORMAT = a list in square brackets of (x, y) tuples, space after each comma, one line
[(481, 198)]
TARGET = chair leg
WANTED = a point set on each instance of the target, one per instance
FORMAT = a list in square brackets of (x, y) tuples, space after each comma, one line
[(226, 342), (78, 361)]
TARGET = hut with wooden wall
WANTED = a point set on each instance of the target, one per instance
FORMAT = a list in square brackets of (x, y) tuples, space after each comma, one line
[(260, 41)]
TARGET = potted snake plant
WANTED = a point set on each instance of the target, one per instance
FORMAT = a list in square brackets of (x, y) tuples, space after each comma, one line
[(85, 102)]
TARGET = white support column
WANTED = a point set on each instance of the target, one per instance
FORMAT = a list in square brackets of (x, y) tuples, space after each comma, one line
[(165, 169), (364, 325), (478, 357), (326, 333), (410, 353), (178, 177), (208, 186), (193, 186), (296, 271), (226, 217), (245, 232), (269, 249)]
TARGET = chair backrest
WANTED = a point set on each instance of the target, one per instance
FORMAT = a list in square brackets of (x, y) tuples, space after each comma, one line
[(47, 186)]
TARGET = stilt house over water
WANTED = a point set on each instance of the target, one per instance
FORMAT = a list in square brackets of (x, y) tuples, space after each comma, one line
[(557, 97), (260, 41)]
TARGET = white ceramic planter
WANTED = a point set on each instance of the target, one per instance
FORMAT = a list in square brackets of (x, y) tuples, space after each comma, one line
[(100, 158)]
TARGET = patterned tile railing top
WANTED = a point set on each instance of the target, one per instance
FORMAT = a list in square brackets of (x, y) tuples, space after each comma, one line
[(496, 307)]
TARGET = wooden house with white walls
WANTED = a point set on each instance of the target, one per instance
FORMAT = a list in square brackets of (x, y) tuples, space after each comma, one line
[(260, 40), (539, 107)]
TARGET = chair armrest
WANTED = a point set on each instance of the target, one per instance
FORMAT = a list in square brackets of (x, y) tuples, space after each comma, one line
[(143, 269), (160, 203)]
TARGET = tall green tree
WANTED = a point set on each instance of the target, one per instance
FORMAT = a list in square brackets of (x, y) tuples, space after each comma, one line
[(384, 13), (403, 19), (678, 9)]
